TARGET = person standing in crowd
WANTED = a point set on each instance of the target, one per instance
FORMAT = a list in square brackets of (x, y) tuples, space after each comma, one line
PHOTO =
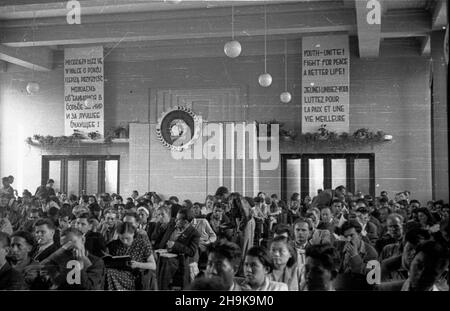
[(294, 208), (10, 278), (217, 219), (222, 194), (6, 189), (260, 217), (134, 197), (257, 267), (46, 190), (5, 223), (224, 259), (285, 268), (207, 236), (209, 204)]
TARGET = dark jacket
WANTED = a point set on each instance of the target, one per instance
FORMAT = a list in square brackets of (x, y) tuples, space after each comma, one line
[(95, 243), (11, 279), (186, 245), (353, 274), (47, 252), (91, 278), (158, 233)]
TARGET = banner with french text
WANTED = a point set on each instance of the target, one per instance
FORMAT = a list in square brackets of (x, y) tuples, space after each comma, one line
[(325, 83), (83, 90)]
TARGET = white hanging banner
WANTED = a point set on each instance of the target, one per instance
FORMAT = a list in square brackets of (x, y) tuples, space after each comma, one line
[(83, 90), (325, 83)]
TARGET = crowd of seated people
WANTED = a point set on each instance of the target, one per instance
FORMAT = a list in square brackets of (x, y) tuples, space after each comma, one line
[(333, 241)]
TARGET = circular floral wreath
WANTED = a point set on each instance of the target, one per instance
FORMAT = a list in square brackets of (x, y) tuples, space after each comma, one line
[(178, 128)]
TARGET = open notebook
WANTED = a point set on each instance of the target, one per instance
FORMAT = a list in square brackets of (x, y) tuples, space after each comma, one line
[(117, 262)]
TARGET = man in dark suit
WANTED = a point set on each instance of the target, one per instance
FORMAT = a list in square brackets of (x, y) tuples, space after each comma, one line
[(182, 239), (10, 279), (94, 241), (44, 230), (72, 267)]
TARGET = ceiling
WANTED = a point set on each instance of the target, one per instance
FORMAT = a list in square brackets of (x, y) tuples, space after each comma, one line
[(32, 32)]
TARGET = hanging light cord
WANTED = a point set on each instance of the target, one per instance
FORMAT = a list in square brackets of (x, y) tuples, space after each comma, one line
[(34, 41), (265, 38), (232, 23), (285, 65)]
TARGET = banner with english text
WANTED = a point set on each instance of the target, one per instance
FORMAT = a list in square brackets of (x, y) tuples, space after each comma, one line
[(325, 83)]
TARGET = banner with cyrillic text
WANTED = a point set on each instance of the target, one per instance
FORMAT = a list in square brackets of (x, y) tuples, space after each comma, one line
[(83, 90), (325, 83)]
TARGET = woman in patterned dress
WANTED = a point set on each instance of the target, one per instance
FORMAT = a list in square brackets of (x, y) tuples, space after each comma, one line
[(137, 246)]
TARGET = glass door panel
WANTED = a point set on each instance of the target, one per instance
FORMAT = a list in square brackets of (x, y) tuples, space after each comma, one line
[(111, 173), (91, 177), (293, 176), (338, 172), (73, 177), (316, 176), (54, 172)]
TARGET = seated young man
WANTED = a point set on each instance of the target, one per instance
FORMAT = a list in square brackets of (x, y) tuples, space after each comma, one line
[(94, 241), (224, 259), (396, 258), (72, 267), (354, 254), (10, 279), (182, 239), (44, 230), (426, 270)]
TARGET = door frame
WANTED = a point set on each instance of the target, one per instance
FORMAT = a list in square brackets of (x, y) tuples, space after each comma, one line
[(82, 170), (304, 176)]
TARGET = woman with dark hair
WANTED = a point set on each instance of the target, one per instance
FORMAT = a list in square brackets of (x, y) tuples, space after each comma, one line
[(425, 218), (257, 267), (284, 259), (320, 268), (138, 248), (222, 194), (23, 245)]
